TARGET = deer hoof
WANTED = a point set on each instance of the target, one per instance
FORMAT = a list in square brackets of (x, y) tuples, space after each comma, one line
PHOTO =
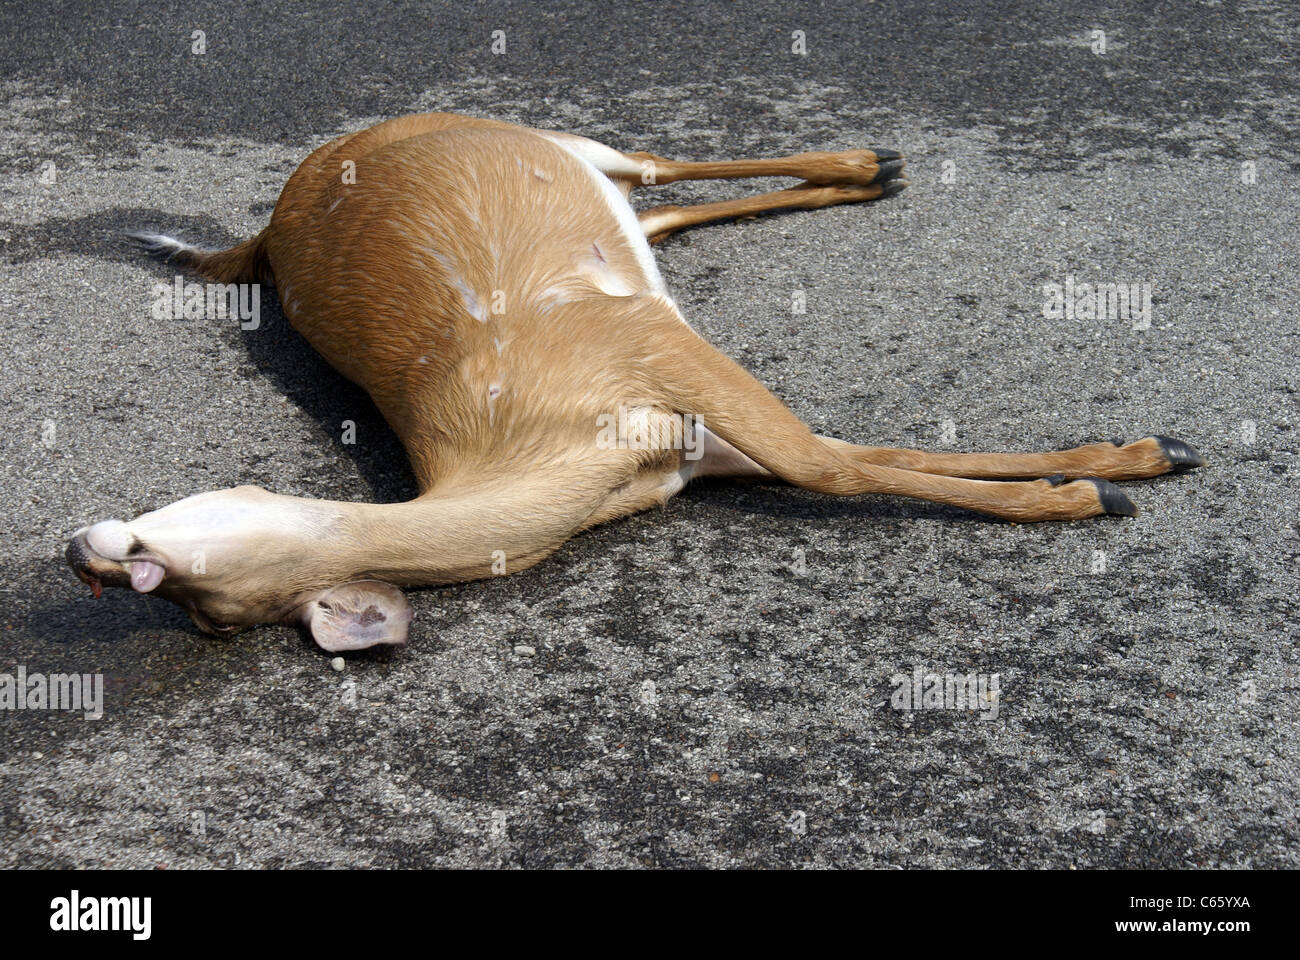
[(1112, 498), (888, 170), (891, 187), (1181, 456)]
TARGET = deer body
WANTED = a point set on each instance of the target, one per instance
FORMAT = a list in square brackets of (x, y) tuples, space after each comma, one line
[(493, 291)]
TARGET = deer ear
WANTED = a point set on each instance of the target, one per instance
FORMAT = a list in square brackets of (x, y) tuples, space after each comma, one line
[(353, 616)]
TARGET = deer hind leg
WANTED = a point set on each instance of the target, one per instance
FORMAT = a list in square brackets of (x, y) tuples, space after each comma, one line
[(850, 176), (857, 167), (658, 223), (847, 167), (828, 179)]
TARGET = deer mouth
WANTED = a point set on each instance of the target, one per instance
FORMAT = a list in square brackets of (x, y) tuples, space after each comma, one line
[(140, 572)]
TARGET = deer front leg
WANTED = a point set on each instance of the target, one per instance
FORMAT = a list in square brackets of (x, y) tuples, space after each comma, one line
[(837, 469), (740, 411), (832, 466), (1139, 460)]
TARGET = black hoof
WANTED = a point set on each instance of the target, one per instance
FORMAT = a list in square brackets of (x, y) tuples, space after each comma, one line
[(887, 154), (1181, 456), (1055, 479), (1112, 499), (891, 187), (888, 170)]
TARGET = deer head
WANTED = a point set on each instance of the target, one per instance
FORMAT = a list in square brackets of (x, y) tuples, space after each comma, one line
[(244, 556)]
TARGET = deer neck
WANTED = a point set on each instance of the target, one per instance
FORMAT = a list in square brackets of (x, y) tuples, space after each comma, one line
[(448, 537)]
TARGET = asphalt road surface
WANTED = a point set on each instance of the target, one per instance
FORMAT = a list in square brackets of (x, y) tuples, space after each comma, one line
[(713, 682)]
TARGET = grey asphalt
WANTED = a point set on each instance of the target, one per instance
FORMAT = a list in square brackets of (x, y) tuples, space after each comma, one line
[(712, 681)]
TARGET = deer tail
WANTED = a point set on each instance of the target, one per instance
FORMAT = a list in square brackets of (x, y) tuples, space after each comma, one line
[(243, 263)]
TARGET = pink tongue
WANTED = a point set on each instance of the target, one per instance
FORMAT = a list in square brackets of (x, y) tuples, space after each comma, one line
[(145, 575)]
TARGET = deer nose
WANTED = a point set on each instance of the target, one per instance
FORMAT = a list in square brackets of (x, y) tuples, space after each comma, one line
[(111, 539), (78, 553), (80, 557), (99, 555)]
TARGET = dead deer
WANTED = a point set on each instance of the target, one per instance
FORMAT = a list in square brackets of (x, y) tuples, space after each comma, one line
[(493, 290)]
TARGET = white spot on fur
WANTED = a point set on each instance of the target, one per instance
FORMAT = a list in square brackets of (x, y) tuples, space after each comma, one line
[(552, 297), (611, 283), (588, 151), (473, 304)]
